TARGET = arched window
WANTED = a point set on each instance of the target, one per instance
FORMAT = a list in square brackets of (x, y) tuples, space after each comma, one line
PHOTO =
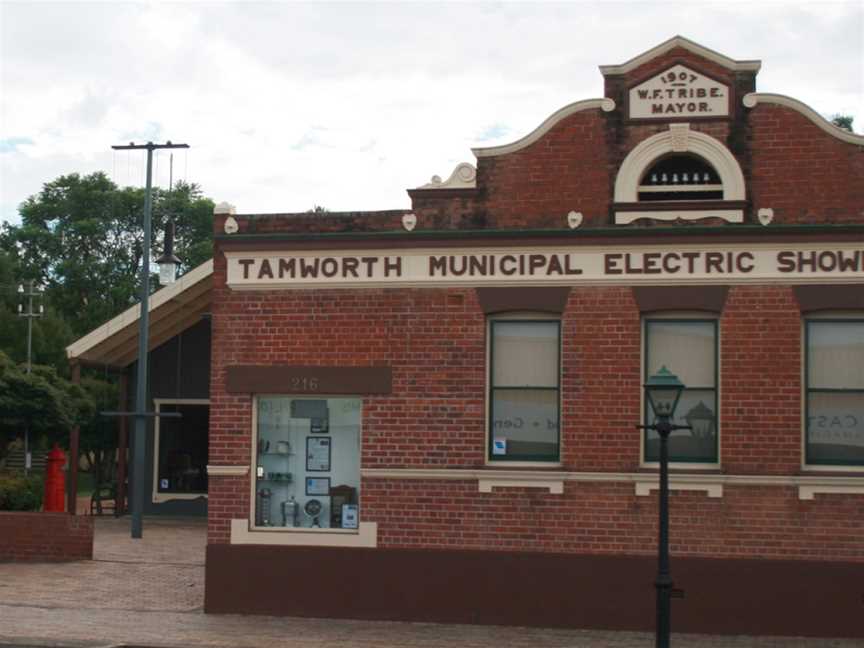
[(679, 174), (680, 177)]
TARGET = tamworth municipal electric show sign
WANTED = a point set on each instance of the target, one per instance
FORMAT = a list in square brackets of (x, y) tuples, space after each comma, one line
[(575, 266)]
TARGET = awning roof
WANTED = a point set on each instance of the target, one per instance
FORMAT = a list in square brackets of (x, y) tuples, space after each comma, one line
[(172, 309)]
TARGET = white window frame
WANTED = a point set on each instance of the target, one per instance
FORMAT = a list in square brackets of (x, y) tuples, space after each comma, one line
[(158, 497), (815, 317), (680, 316), (521, 316)]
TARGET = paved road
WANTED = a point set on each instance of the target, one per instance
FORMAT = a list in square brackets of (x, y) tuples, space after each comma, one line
[(150, 592)]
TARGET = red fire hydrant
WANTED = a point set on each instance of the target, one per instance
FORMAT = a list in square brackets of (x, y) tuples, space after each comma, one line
[(55, 481)]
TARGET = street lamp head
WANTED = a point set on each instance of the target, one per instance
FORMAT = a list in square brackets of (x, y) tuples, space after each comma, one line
[(663, 390), (168, 262)]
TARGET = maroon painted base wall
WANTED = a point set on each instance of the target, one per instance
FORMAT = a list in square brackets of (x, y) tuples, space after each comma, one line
[(553, 590), (45, 536)]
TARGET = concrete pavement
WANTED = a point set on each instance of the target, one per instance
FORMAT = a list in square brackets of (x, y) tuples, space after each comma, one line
[(150, 592)]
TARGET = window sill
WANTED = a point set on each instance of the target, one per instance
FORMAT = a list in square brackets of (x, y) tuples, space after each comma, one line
[(651, 481), (365, 536), (226, 471), (533, 480)]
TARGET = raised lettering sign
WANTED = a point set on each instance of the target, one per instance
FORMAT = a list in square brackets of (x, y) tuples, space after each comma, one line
[(582, 265), (679, 92)]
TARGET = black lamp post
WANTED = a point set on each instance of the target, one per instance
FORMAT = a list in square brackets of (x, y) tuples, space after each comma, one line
[(662, 390)]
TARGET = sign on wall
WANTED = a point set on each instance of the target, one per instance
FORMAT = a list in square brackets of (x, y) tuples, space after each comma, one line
[(548, 266), (679, 92)]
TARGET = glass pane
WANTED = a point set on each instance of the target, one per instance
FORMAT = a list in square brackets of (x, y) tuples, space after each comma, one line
[(835, 428), (836, 355), (525, 354), (183, 450), (697, 409), (308, 468), (687, 349), (524, 423)]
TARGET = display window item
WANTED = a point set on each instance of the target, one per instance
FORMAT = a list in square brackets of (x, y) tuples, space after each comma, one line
[(318, 454), (349, 516), (317, 485), (313, 509)]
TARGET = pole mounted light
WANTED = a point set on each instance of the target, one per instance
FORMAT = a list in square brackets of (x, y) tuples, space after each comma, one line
[(662, 391), (29, 292), (168, 262), (141, 415)]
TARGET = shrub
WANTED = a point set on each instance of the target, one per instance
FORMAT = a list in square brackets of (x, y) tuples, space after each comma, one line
[(20, 493)]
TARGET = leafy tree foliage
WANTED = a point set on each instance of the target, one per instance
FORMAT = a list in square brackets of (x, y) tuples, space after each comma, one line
[(82, 237), (843, 121), (41, 400)]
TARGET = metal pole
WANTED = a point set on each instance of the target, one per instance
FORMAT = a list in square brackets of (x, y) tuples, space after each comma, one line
[(140, 414), (141, 383), (27, 459), (664, 579)]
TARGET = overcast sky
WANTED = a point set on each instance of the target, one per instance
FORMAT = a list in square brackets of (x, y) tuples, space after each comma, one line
[(290, 105)]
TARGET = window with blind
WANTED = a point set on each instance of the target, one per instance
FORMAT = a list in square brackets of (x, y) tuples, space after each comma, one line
[(524, 394), (835, 392), (688, 348)]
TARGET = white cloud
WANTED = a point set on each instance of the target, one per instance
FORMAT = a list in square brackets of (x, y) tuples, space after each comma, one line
[(287, 105)]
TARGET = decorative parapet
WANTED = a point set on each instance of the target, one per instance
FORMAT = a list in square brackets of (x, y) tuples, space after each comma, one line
[(754, 98), (605, 104), (464, 176), (690, 46)]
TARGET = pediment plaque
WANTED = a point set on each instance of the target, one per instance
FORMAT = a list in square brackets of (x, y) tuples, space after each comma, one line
[(679, 92)]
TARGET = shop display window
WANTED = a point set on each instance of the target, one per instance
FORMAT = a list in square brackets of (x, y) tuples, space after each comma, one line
[(307, 462), (835, 392), (524, 390), (687, 348)]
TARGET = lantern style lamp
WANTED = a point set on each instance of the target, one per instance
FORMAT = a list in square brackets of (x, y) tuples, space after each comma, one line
[(168, 262), (662, 390)]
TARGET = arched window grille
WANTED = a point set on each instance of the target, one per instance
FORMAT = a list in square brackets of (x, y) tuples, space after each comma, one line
[(680, 177)]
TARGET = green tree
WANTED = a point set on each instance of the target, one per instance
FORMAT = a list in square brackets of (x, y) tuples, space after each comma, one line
[(42, 400), (82, 237), (843, 121)]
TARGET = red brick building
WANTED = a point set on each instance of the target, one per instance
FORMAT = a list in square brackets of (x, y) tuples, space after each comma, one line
[(431, 414)]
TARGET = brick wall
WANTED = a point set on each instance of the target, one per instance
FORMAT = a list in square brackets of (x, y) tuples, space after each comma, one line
[(435, 342), (606, 518), (802, 172), (45, 536)]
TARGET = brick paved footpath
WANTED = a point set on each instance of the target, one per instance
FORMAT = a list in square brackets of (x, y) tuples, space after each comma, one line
[(150, 592)]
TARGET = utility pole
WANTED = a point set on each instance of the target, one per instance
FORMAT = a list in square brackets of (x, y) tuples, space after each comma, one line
[(141, 414), (29, 293)]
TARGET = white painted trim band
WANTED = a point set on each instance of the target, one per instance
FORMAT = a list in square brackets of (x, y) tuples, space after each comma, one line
[(754, 98), (689, 45), (644, 482), (227, 471), (365, 536), (606, 105)]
